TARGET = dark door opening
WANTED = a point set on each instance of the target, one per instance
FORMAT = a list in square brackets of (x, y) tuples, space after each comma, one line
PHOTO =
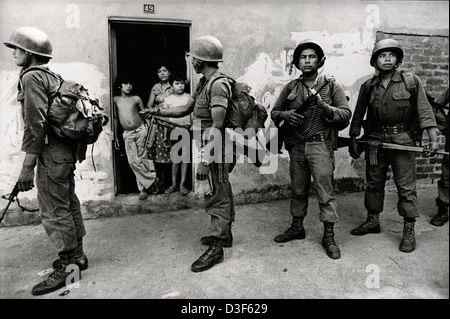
[(137, 49)]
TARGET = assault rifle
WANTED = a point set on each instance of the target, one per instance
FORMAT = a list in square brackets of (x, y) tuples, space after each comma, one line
[(373, 145), (11, 197), (285, 128)]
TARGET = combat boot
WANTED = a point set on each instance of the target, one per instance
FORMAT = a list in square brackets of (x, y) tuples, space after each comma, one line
[(296, 231), (328, 242), (408, 243), (212, 256), (228, 242), (441, 217), (81, 259), (57, 279), (370, 226)]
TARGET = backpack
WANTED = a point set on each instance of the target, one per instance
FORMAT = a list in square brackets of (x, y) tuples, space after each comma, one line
[(242, 111), (73, 116)]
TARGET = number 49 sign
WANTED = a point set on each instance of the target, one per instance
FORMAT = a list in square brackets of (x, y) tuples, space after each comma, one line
[(149, 8)]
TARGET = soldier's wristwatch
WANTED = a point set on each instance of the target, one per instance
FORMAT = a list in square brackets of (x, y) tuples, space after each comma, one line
[(205, 162)]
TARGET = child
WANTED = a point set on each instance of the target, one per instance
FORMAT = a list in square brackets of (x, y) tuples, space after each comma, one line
[(178, 97), (127, 107)]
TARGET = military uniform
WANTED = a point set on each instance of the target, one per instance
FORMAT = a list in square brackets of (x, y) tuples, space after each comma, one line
[(390, 114)]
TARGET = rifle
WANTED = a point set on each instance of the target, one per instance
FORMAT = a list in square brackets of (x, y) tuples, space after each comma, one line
[(373, 145), (10, 199), (285, 128)]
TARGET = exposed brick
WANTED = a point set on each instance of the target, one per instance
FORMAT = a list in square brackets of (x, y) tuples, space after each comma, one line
[(422, 161), (439, 59), (422, 176), (424, 169), (420, 58), (436, 176), (429, 66), (435, 81)]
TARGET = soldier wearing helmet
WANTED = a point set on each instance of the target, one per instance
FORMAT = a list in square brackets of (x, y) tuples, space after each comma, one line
[(58, 204), (394, 101), (310, 134), (206, 53)]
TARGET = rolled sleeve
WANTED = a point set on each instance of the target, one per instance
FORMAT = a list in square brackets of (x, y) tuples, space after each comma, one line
[(220, 93)]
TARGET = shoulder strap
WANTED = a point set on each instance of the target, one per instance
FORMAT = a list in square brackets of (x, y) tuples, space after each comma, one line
[(293, 84), (410, 83), (40, 68)]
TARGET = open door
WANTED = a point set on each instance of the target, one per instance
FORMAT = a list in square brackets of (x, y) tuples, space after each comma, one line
[(136, 48)]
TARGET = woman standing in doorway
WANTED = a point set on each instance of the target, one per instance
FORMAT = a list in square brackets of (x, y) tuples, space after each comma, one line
[(160, 150)]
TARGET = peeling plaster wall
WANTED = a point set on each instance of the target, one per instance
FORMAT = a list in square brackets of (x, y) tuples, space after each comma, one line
[(258, 39)]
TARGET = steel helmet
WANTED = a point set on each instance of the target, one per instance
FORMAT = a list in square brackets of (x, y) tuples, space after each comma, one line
[(386, 45), (207, 48), (308, 44), (32, 40)]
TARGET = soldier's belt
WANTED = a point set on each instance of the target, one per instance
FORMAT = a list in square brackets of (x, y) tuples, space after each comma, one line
[(396, 129)]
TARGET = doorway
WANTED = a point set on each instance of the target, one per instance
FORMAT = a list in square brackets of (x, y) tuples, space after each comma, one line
[(137, 47)]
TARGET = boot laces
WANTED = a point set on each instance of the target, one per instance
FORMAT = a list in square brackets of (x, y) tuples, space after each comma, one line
[(210, 251), (55, 274)]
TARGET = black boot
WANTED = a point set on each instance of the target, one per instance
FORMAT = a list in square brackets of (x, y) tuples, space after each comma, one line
[(213, 256), (296, 231), (81, 259), (408, 243), (228, 242), (370, 226), (57, 279), (328, 243), (442, 215)]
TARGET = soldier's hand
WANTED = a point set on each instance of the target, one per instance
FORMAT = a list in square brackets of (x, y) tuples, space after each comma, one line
[(293, 118), (353, 148), (26, 179), (431, 149), (202, 172), (117, 144)]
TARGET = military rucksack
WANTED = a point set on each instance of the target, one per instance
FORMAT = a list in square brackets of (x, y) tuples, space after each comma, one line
[(73, 116), (242, 111)]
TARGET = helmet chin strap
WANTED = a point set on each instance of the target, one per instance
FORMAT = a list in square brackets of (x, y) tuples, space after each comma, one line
[(28, 60)]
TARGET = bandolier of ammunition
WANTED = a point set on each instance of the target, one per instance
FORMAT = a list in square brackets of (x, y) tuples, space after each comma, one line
[(310, 130)]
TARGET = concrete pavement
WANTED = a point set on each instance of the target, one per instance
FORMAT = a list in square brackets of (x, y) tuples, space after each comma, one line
[(149, 256)]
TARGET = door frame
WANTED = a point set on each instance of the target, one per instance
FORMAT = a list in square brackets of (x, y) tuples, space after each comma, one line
[(115, 20)]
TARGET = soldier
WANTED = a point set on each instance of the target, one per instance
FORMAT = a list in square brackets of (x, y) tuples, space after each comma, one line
[(206, 52), (311, 141), (442, 123), (391, 111), (58, 204)]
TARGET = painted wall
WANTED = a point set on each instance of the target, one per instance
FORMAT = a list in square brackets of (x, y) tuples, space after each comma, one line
[(258, 39)]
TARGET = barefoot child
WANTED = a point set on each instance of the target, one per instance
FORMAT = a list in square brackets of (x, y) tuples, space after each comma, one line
[(127, 107), (178, 97)]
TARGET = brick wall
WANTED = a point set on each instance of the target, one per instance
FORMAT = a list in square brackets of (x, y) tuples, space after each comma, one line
[(427, 55)]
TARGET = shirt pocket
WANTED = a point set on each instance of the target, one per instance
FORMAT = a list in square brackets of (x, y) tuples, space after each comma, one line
[(401, 99), (62, 158), (202, 108)]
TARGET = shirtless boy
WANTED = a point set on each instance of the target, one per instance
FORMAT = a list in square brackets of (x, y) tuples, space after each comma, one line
[(127, 107)]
